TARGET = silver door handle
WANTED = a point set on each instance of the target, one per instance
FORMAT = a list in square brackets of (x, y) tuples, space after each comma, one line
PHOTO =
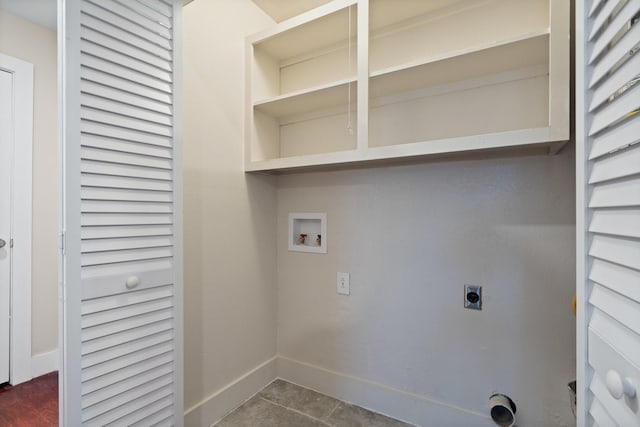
[(2, 243)]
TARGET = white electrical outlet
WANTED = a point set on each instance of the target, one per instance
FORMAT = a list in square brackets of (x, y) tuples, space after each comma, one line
[(343, 283)]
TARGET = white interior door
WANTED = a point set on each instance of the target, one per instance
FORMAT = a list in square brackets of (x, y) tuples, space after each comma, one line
[(122, 268), (608, 202), (6, 114)]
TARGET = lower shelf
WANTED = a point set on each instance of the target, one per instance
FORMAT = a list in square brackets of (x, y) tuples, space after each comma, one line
[(526, 140)]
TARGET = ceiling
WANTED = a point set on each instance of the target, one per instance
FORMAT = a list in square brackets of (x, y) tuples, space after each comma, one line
[(41, 12), (44, 12), (279, 10)]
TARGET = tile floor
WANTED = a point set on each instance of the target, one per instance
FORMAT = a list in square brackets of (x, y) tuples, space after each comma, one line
[(282, 404)]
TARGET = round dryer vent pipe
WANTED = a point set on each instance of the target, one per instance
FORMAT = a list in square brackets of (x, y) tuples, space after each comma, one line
[(503, 410)]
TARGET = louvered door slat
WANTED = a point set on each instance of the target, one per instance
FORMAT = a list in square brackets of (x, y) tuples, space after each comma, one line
[(623, 340), (614, 27), (120, 10), (159, 411), (150, 13), (118, 417), (614, 55), (127, 171), (132, 135), (101, 70), (622, 165), (118, 120), (107, 92), (608, 192), (622, 251), (103, 104), (91, 219), (126, 231), (149, 69), (94, 44), (125, 158), (602, 16), (102, 206), (125, 312), (132, 39), (127, 146), (114, 365), (617, 222), (627, 133), (90, 348), (617, 306), (151, 363), (121, 387), (595, 5), (611, 113), (619, 193), (108, 411), (126, 348), (126, 243), (99, 62), (115, 194), (92, 306), (616, 277), (123, 215), (615, 82), (110, 181), (128, 255), (126, 25), (159, 6)]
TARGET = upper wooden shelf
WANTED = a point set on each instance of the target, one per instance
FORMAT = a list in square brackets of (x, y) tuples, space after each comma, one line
[(323, 28)]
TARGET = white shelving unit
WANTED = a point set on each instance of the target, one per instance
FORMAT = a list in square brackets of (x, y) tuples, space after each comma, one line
[(367, 80)]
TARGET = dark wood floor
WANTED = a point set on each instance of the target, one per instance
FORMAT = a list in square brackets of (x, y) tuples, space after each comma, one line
[(30, 404)]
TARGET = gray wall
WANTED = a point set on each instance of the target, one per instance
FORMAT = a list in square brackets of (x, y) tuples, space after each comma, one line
[(229, 217), (411, 237)]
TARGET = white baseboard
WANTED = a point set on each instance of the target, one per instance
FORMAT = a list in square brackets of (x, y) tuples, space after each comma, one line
[(229, 397), (395, 403), (408, 407), (44, 363)]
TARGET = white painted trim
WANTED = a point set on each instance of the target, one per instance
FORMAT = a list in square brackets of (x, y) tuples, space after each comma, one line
[(21, 204), (559, 70), (70, 381), (583, 371), (402, 405), (214, 407), (44, 363), (178, 264)]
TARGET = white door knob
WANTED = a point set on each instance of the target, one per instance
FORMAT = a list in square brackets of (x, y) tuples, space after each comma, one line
[(619, 386), (132, 282)]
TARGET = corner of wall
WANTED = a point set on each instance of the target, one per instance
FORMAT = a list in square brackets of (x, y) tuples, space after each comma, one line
[(44, 363), (215, 406), (398, 404)]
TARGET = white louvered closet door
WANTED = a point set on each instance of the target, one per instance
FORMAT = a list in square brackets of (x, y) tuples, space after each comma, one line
[(608, 202), (122, 268)]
